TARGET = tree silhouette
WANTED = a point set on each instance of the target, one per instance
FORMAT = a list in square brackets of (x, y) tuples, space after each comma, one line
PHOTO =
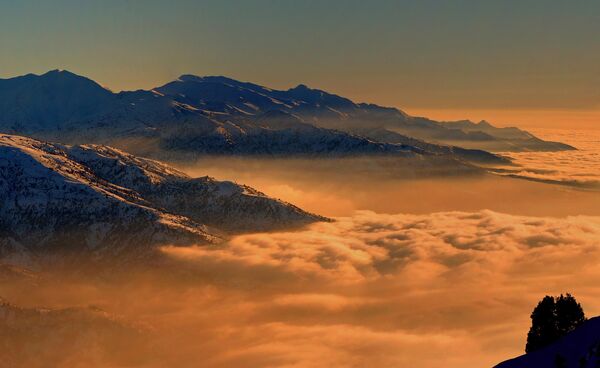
[(551, 319), (569, 314), (543, 325)]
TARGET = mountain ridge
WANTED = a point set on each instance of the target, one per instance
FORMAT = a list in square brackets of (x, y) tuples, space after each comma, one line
[(103, 201), (346, 115), (215, 115)]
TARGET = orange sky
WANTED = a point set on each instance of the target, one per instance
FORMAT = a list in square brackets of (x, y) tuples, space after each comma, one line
[(527, 119)]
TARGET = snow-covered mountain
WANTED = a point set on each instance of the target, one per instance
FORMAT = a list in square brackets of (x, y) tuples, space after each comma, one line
[(104, 201), (236, 99), (32, 103), (79, 110), (200, 115), (471, 155), (221, 204), (578, 349)]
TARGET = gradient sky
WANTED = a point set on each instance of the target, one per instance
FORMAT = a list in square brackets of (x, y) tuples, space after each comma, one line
[(425, 55)]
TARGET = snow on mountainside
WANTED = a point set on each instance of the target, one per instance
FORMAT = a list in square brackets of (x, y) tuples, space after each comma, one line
[(243, 100), (53, 203), (472, 155), (103, 201), (159, 124), (198, 115), (578, 349), (41, 103), (221, 204)]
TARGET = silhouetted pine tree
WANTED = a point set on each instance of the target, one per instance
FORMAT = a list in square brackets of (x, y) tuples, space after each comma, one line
[(569, 314), (543, 329), (551, 319)]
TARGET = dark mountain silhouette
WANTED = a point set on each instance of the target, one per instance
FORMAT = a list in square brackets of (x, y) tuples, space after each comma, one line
[(218, 115), (242, 100)]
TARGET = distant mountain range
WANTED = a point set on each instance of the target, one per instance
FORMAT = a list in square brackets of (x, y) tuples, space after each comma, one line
[(99, 200), (216, 115), (232, 98), (578, 349)]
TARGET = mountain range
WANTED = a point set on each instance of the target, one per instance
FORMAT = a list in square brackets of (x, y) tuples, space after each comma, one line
[(247, 100), (194, 116), (99, 200)]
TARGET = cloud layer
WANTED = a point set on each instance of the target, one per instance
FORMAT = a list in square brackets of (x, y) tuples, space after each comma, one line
[(450, 289), (580, 168), (396, 290)]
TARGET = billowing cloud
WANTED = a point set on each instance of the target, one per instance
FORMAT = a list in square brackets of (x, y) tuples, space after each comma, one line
[(446, 289), (402, 290)]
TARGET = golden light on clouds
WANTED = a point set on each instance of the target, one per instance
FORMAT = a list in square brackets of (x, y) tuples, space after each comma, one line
[(404, 289), (450, 289)]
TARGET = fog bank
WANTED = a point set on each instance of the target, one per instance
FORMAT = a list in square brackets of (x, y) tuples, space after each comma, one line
[(450, 289)]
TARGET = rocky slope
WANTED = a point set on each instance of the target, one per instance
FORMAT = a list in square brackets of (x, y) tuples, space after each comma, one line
[(220, 204), (101, 200)]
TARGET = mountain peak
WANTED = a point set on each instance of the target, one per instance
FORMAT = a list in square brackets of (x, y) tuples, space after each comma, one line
[(58, 71), (189, 78), (208, 78), (51, 100), (63, 73), (51, 74), (301, 87)]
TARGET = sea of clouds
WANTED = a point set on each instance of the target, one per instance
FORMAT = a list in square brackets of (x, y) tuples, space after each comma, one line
[(579, 168), (450, 289)]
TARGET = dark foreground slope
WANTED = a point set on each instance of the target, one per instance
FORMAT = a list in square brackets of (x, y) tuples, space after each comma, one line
[(578, 349)]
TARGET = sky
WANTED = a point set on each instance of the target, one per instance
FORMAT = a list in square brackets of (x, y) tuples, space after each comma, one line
[(428, 57)]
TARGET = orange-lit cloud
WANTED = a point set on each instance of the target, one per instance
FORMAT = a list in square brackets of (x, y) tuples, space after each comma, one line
[(399, 289), (451, 289), (580, 167)]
